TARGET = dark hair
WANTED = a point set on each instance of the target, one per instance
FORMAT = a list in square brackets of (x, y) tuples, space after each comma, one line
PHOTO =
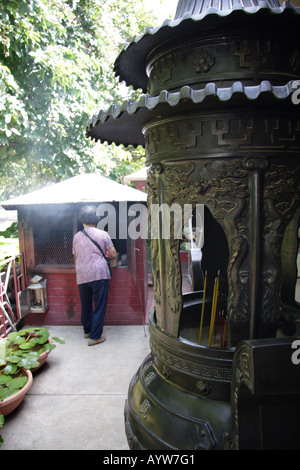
[(87, 215)]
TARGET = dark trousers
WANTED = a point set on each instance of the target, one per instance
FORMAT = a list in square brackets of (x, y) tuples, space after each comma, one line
[(93, 319)]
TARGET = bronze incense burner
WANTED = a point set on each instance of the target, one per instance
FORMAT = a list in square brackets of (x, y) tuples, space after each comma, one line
[(220, 128)]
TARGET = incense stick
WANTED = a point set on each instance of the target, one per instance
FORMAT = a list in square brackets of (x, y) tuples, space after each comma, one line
[(203, 304), (219, 323), (221, 328), (224, 343), (214, 308), (212, 314)]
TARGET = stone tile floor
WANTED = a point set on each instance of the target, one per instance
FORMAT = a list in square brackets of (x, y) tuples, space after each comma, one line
[(77, 398)]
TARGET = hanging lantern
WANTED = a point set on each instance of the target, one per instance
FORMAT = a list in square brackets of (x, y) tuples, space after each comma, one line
[(37, 297)]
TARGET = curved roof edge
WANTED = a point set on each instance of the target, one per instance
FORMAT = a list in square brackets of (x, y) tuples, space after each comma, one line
[(133, 114)]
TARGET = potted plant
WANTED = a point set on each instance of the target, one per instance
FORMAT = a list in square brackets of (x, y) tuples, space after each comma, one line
[(15, 381), (29, 348), (20, 353), (14, 384)]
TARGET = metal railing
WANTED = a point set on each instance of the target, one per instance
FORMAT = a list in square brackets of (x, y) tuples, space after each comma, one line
[(11, 284)]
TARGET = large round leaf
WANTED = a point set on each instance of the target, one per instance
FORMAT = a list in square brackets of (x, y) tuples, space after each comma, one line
[(28, 362), (12, 358), (27, 345), (10, 369), (18, 382)]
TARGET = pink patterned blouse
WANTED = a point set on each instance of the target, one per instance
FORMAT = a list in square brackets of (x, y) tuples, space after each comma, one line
[(89, 262)]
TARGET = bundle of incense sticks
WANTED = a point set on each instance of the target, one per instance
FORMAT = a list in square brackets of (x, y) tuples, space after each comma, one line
[(221, 319)]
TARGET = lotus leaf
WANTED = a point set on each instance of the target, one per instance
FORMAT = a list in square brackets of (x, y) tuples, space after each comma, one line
[(4, 379), (13, 358), (9, 384), (10, 369), (28, 362)]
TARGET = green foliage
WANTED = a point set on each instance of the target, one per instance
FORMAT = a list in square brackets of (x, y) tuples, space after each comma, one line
[(11, 231), (8, 247), (28, 344), (56, 67), (23, 348), (9, 242), (11, 381), (18, 351)]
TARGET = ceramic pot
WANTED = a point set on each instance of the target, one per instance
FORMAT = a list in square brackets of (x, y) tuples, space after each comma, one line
[(11, 403)]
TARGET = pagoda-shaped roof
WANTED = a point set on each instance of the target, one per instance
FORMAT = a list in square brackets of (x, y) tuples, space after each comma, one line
[(124, 124), (190, 17)]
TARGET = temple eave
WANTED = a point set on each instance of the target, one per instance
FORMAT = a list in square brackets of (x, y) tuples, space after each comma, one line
[(123, 124)]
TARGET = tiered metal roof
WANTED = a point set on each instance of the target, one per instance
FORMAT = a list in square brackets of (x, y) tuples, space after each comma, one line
[(123, 124)]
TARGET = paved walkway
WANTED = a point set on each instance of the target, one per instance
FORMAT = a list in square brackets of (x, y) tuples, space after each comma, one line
[(77, 398)]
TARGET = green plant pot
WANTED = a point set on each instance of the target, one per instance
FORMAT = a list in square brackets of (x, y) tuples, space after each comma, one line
[(8, 405)]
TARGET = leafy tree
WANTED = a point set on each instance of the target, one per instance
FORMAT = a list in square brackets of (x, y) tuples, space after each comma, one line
[(56, 67)]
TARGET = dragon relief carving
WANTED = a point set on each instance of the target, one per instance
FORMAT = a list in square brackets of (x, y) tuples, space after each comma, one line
[(152, 191), (243, 373), (281, 199), (223, 186), (176, 185)]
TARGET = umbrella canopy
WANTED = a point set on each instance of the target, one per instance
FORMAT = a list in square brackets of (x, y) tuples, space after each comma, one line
[(88, 188)]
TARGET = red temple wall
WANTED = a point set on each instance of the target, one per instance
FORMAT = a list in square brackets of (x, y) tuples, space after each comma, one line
[(127, 299)]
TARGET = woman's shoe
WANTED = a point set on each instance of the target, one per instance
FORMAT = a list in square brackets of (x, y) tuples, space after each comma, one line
[(92, 342)]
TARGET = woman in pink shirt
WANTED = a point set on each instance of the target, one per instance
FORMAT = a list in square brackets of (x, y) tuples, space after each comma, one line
[(92, 273)]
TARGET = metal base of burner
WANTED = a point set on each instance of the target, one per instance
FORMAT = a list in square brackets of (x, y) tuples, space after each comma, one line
[(180, 396), (186, 396)]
